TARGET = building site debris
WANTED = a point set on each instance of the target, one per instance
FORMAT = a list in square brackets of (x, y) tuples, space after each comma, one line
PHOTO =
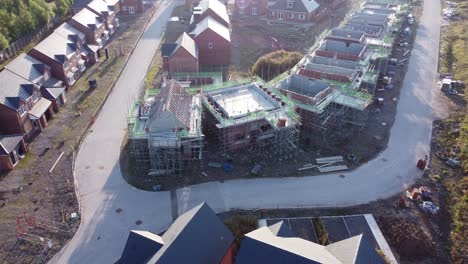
[(333, 168), (329, 159), (257, 169), (307, 167), (420, 194), (422, 163), (429, 207), (214, 164), (453, 162)]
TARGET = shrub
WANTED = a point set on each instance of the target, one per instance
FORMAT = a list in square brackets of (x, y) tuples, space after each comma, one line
[(273, 64)]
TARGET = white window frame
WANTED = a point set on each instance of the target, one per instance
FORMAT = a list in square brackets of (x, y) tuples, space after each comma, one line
[(35, 96), (124, 8), (292, 15), (21, 110), (280, 16), (301, 16), (131, 10), (289, 4), (210, 45), (253, 11)]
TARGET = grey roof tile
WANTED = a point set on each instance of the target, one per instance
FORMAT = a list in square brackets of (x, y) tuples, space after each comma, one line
[(88, 19), (14, 88), (27, 67), (9, 142), (210, 23), (303, 6)]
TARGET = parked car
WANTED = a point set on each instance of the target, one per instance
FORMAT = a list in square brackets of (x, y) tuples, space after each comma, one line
[(429, 207)]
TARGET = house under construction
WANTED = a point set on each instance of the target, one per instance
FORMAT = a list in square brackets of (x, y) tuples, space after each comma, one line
[(165, 130), (322, 106), (250, 116)]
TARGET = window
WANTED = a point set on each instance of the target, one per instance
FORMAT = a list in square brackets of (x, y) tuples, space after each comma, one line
[(280, 16), (35, 96), (124, 8), (210, 45), (273, 13), (292, 15), (290, 4), (131, 9), (254, 11), (301, 16), (242, 10), (21, 110)]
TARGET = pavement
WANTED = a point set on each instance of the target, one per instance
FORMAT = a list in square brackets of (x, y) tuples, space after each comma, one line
[(103, 231)]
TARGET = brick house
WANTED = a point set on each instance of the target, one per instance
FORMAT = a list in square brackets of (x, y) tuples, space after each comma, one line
[(181, 56), (251, 7), (301, 11), (62, 56), (198, 237), (131, 7), (214, 42), (210, 8), (12, 150), (89, 52), (101, 8), (38, 73), (92, 25), (22, 106)]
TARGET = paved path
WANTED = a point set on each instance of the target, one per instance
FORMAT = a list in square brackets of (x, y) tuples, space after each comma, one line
[(103, 231)]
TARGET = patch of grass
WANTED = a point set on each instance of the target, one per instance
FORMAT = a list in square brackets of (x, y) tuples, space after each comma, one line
[(26, 161), (322, 234), (273, 64), (241, 225)]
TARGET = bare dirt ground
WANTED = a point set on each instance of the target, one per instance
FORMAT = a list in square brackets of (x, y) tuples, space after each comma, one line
[(35, 205), (253, 37)]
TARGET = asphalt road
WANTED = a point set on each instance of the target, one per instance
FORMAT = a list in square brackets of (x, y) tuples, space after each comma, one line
[(103, 232)]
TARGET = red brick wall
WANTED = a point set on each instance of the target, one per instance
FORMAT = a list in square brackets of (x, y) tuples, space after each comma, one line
[(341, 56), (323, 75), (261, 6), (91, 36), (12, 119), (291, 16), (126, 6), (56, 68), (228, 258), (220, 52), (182, 61)]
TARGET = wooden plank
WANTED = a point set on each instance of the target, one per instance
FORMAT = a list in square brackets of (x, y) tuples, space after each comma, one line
[(333, 168), (307, 168), (329, 159)]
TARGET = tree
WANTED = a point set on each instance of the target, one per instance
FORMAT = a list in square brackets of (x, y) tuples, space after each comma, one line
[(62, 7), (3, 42)]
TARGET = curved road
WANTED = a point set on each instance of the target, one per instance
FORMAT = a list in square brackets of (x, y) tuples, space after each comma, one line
[(103, 232)]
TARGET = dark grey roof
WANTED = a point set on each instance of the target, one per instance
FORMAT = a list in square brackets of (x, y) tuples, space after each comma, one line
[(303, 85), (355, 250), (369, 29), (197, 237), (281, 229), (14, 88), (334, 62), (342, 47), (168, 49), (8, 143), (350, 34), (52, 82), (52, 93), (140, 247), (27, 67), (303, 6)]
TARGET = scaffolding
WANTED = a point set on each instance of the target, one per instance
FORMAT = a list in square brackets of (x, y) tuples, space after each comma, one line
[(265, 125), (165, 130)]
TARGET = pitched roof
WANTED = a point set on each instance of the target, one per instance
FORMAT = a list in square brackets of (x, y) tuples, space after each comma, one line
[(355, 250), (56, 47), (140, 247), (80, 4), (263, 246), (88, 19), (173, 100), (281, 229), (305, 6), (197, 237), (27, 67), (210, 23), (100, 7), (70, 33), (184, 41), (216, 6), (13, 88), (9, 142)]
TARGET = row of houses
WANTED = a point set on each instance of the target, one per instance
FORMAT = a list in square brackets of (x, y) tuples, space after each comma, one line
[(33, 86), (199, 236), (206, 43)]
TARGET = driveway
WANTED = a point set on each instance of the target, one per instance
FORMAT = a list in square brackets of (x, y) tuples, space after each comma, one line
[(103, 231)]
